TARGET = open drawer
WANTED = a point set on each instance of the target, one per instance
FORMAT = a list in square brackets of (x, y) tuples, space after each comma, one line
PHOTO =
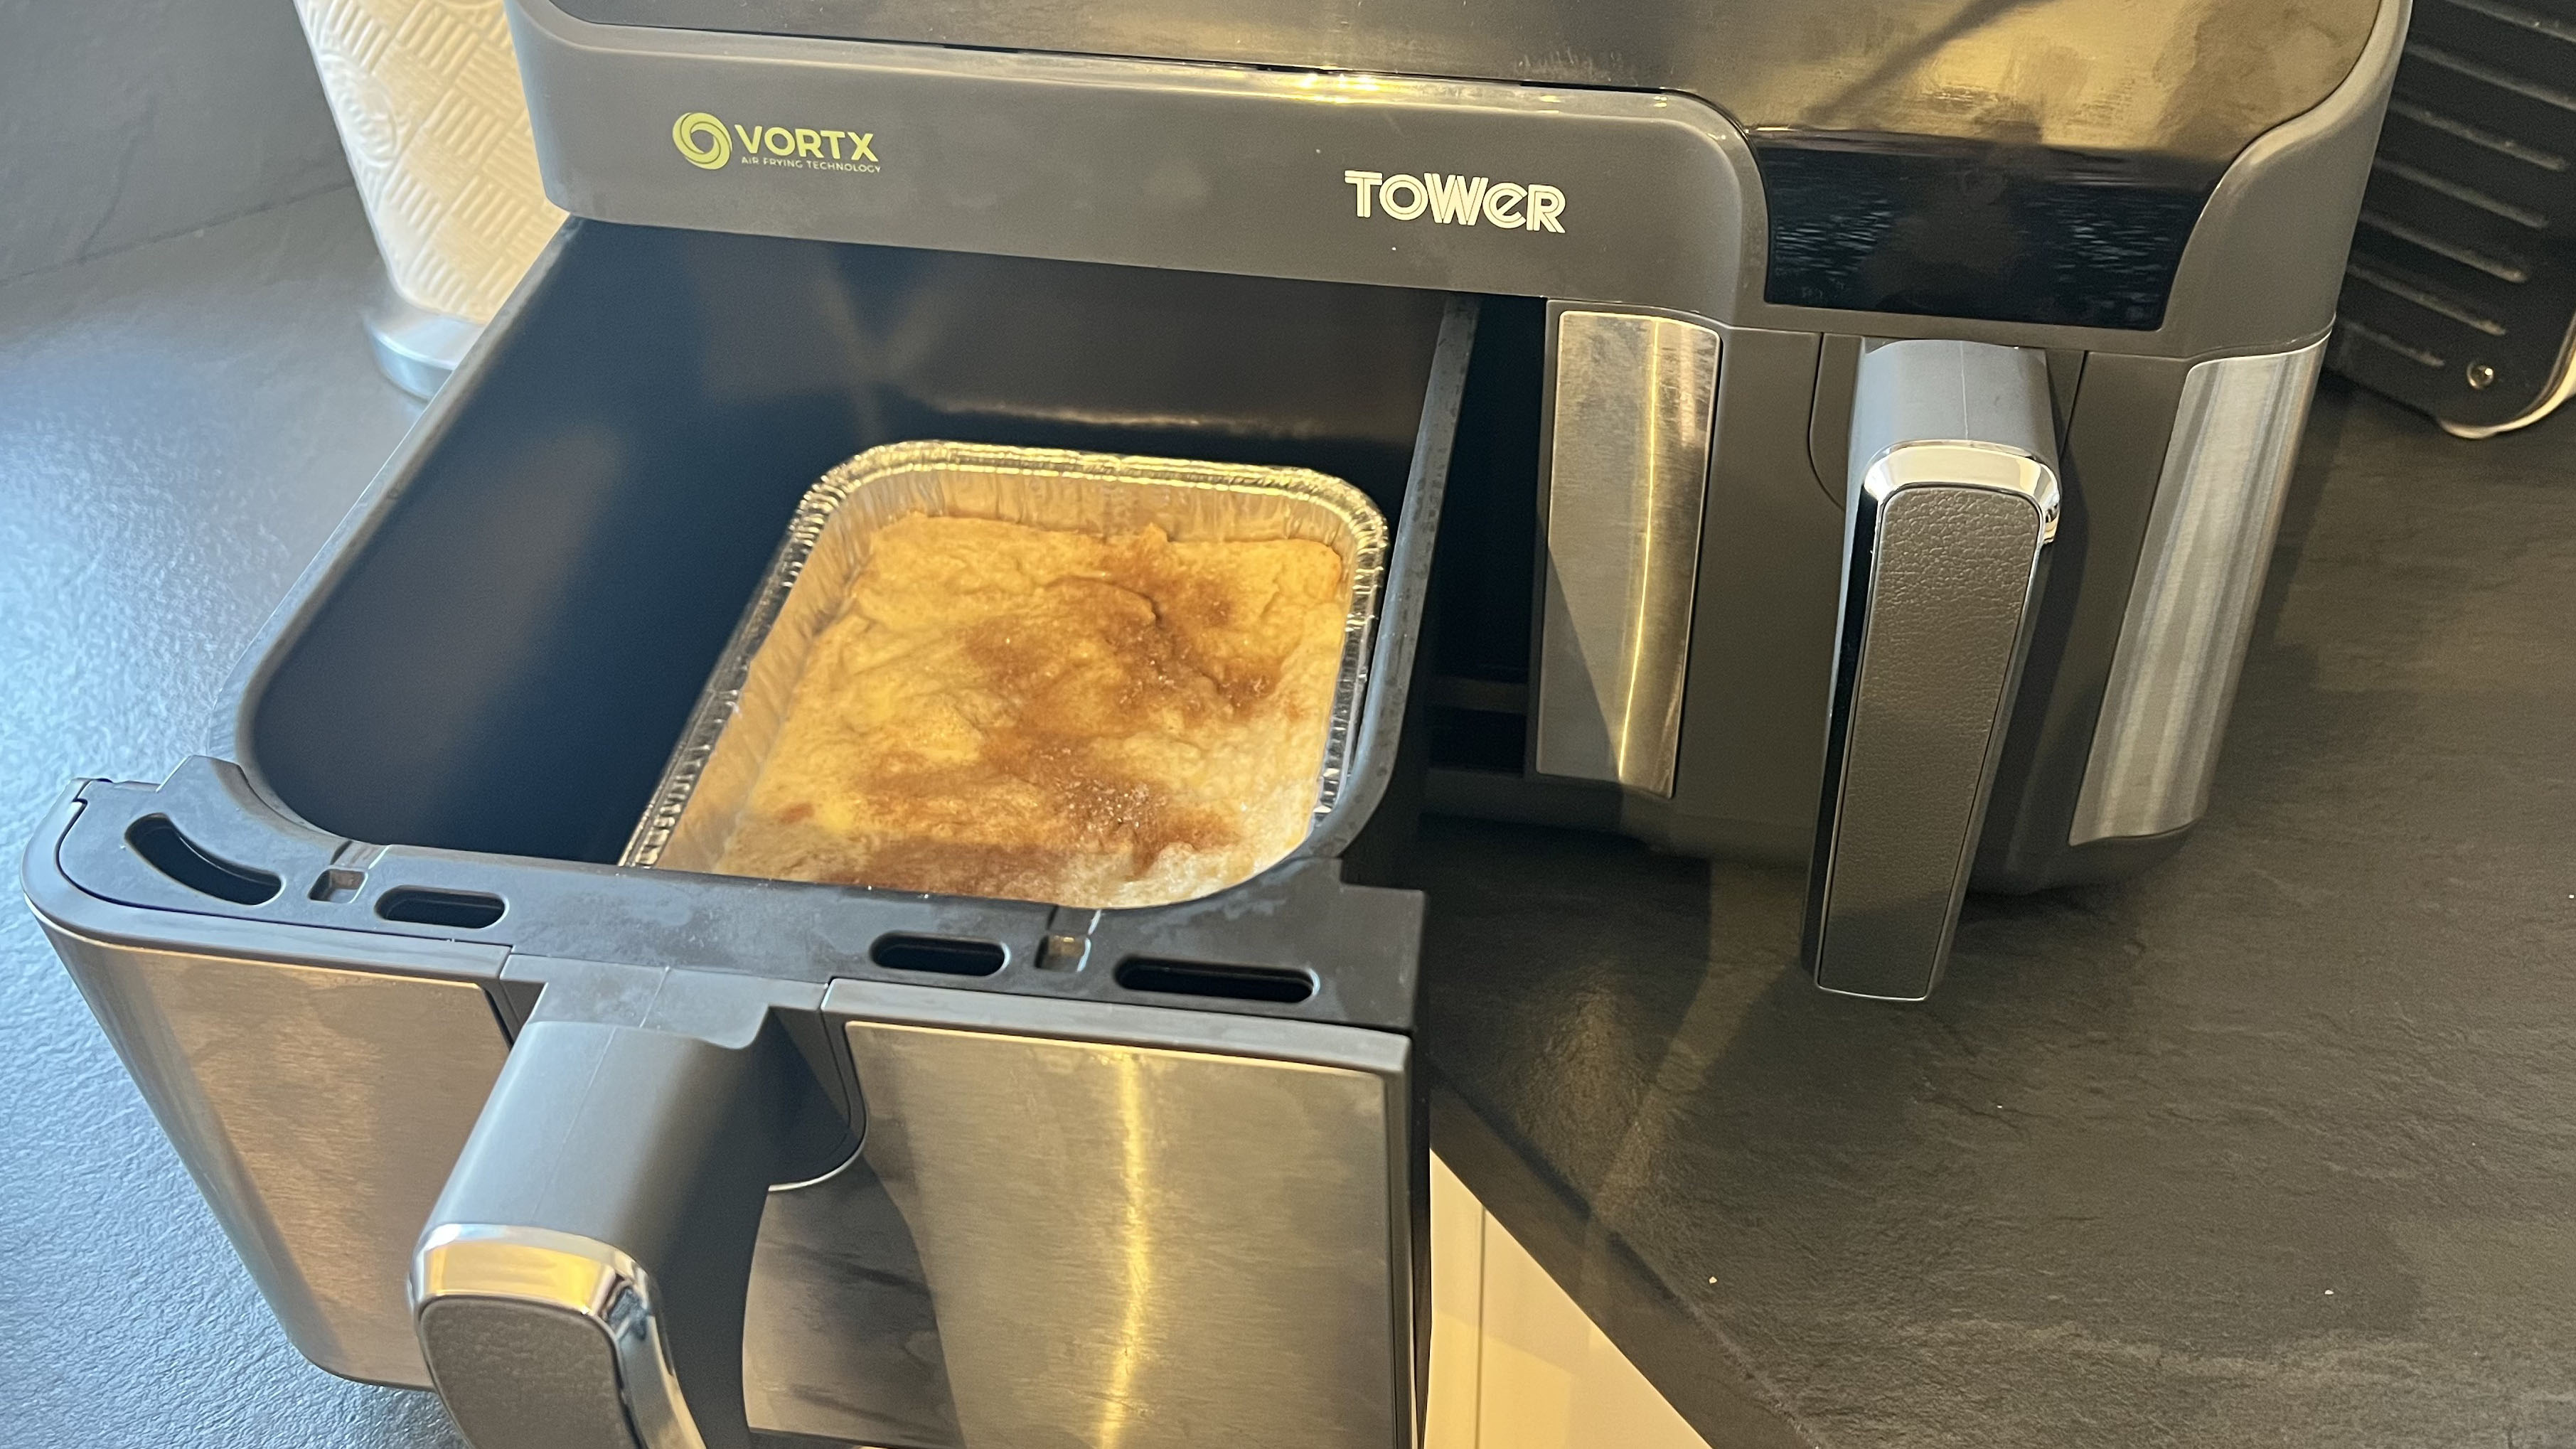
[(392, 873), (463, 711)]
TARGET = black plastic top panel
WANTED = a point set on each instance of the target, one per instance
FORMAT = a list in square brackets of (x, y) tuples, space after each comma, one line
[(2191, 80), (2031, 161)]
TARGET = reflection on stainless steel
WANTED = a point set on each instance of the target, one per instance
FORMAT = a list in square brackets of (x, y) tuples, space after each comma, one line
[(319, 1111), (1146, 1228), (839, 1339), (567, 1273), (1958, 498), (416, 349), (1627, 480), (708, 783), (2191, 608)]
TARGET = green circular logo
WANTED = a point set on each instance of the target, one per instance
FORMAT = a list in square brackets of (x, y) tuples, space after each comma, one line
[(702, 139)]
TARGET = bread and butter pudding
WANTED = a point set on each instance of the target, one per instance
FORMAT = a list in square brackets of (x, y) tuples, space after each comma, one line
[(1053, 715)]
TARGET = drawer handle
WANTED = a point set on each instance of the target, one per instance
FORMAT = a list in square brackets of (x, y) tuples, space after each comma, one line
[(1951, 505), (582, 1278)]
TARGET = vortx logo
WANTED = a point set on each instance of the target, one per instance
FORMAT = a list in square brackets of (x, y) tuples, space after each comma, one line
[(1459, 200), (708, 144)]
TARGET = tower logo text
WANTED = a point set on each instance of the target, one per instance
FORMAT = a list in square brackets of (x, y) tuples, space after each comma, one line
[(1458, 200)]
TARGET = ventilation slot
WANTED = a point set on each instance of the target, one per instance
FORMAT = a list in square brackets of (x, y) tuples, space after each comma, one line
[(462, 910), (2497, 142), (159, 842), (2424, 297), (2503, 269), (1232, 983), (945, 955), (2407, 350)]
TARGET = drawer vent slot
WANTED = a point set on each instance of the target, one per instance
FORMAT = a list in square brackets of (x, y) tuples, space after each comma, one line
[(946, 955), (421, 906), (1231, 983), (183, 860)]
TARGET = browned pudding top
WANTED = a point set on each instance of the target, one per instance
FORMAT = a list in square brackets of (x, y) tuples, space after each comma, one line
[(1001, 710)]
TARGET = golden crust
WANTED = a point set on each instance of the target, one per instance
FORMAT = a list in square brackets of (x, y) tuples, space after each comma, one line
[(1038, 714)]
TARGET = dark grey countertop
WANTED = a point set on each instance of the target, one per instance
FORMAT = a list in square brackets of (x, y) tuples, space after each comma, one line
[(2273, 1145), (181, 424)]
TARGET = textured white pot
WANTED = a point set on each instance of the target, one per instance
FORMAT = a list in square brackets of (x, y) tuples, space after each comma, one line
[(426, 93)]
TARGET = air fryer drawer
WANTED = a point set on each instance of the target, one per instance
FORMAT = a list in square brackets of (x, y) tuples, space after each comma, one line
[(440, 744), (455, 724)]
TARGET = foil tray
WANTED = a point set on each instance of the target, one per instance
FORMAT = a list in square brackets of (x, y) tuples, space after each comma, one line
[(708, 784)]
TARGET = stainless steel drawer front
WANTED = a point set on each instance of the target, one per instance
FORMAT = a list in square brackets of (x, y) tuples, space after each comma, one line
[(319, 1112), (2199, 581), (1141, 1244), (1627, 479)]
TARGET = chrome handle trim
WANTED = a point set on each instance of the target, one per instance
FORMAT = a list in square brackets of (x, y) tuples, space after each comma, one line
[(573, 1274), (1635, 398), (2192, 604), (1994, 467)]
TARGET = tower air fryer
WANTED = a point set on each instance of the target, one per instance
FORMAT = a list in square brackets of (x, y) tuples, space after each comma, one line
[(1849, 433)]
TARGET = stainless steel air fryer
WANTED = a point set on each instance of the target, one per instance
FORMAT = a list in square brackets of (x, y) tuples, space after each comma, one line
[(1849, 433)]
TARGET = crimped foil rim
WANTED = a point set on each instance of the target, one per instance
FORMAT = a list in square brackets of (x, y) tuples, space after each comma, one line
[(720, 701)]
